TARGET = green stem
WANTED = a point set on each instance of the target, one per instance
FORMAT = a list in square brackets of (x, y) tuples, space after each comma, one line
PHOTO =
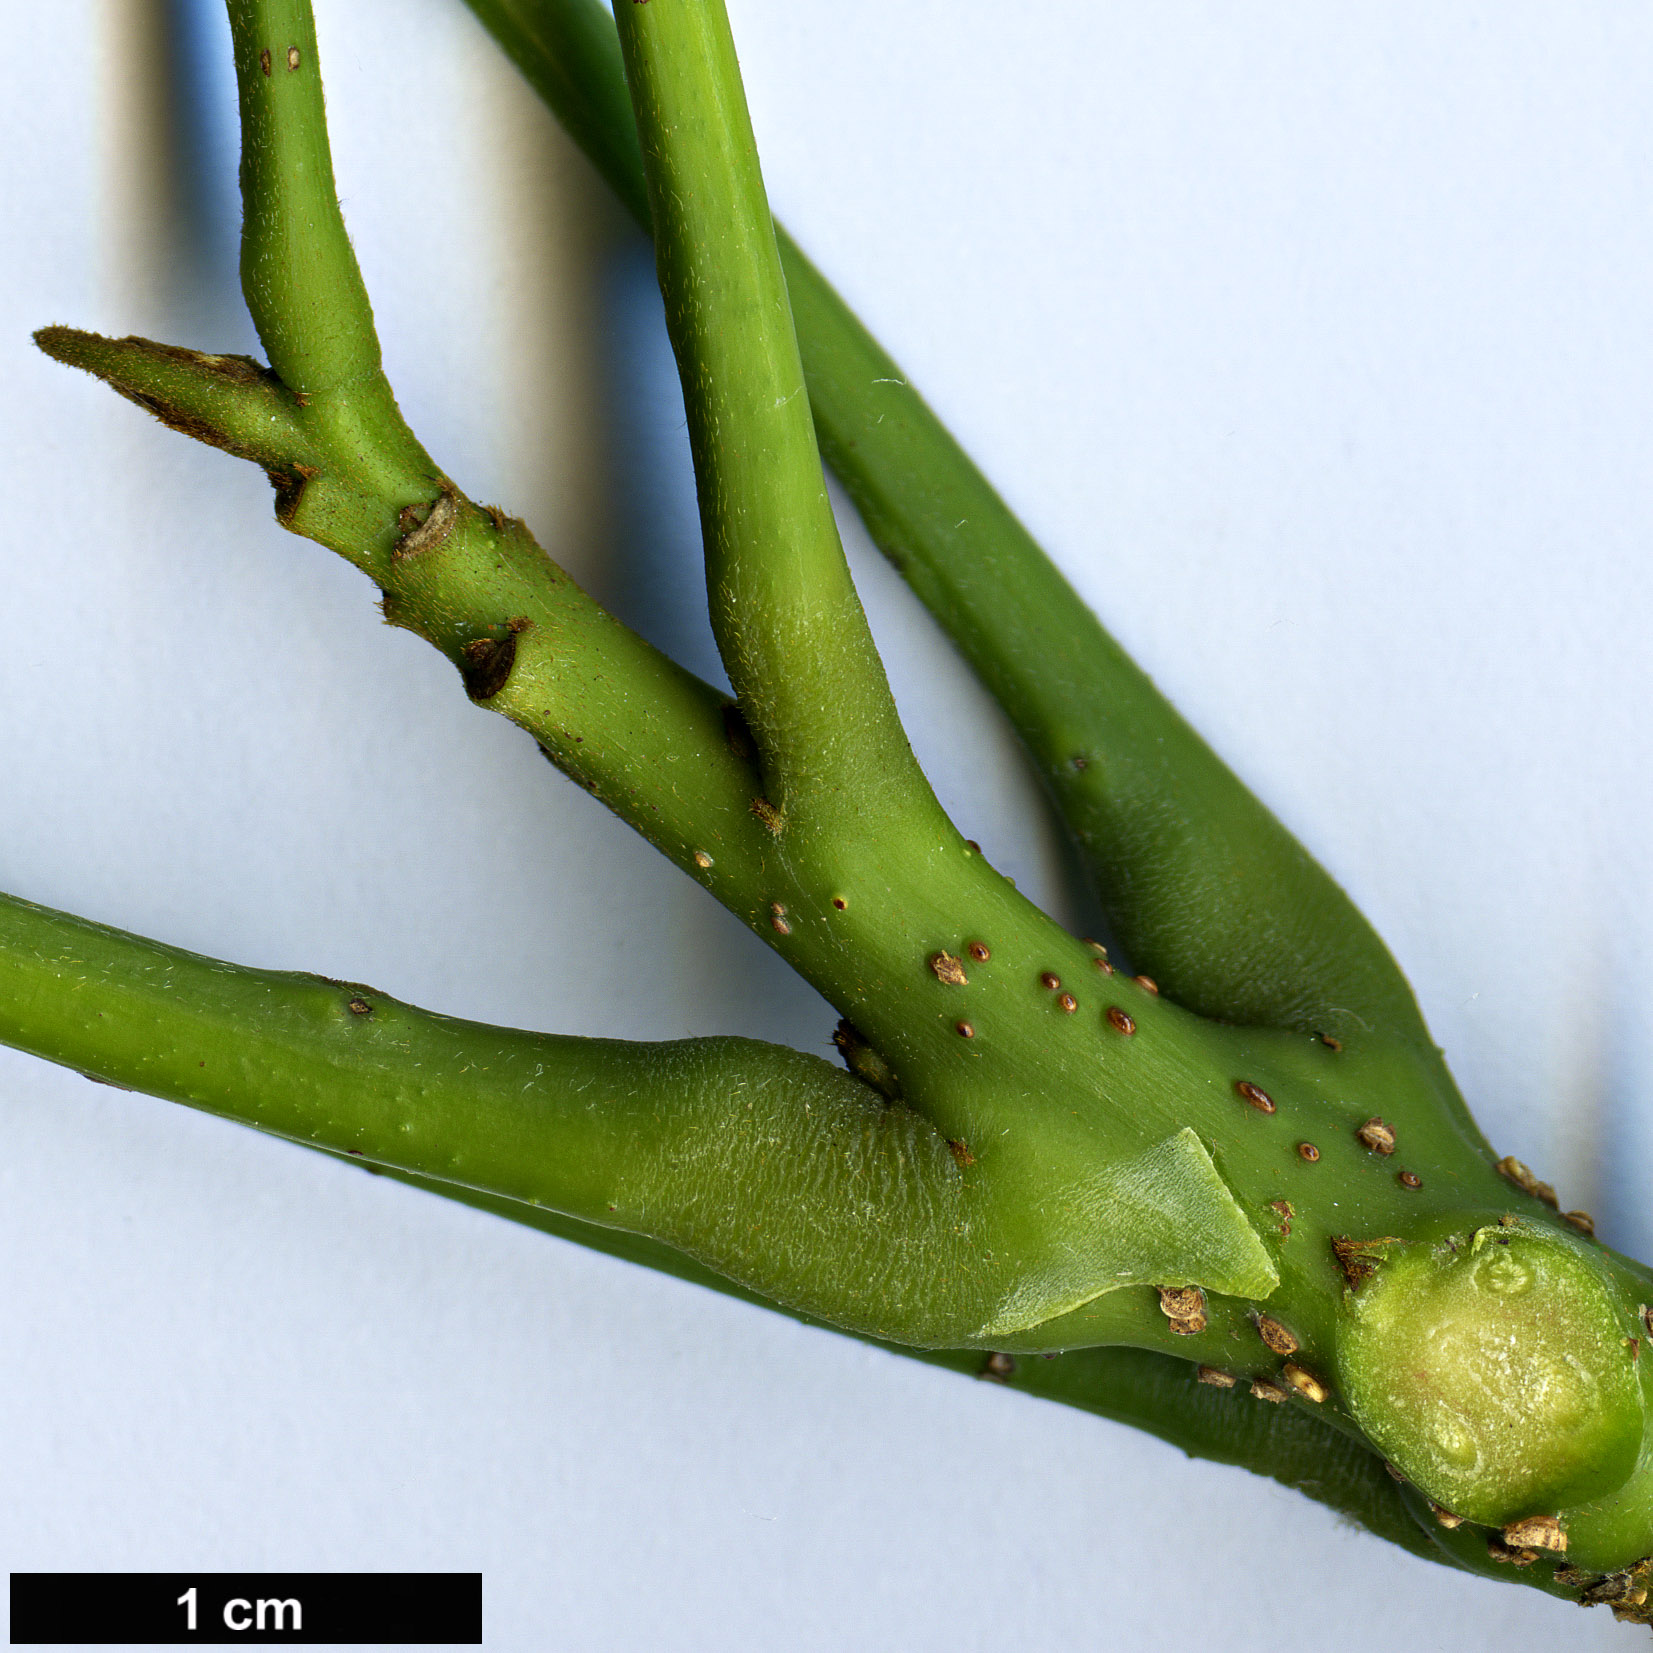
[(672, 1156), (299, 274), (1140, 1388), (631, 726), (784, 609), (775, 1169), (1207, 891), (1043, 1185)]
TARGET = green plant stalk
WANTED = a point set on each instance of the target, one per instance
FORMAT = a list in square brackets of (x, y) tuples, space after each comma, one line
[(789, 625), (1206, 891), (1074, 1180), (681, 47), (623, 1131), (1139, 1388), (347, 1070)]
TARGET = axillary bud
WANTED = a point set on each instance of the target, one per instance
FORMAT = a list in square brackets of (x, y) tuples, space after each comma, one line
[(1490, 1363)]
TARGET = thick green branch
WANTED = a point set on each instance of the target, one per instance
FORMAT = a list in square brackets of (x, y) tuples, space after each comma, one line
[(1141, 1388), (772, 1168), (651, 1148)]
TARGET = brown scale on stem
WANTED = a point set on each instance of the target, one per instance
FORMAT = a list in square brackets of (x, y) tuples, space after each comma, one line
[(1377, 1137), (1305, 1383), (487, 665), (1537, 1532), (1184, 1307), (1623, 1586), (425, 528), (1512, 1170), (1276, 1336), (1254, 1096), (1119, 1021), (1359, 1259)]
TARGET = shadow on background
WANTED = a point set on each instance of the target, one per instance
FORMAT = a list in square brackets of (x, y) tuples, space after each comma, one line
[(176, 145)]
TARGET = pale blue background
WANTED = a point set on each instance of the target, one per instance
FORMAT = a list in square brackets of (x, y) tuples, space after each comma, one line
[(1314, 339)]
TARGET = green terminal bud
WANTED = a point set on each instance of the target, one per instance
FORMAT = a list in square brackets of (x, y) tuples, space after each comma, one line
[(1492, 1367)]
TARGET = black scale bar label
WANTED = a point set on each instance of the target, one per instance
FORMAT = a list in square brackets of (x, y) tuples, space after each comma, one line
[(132, 1609)]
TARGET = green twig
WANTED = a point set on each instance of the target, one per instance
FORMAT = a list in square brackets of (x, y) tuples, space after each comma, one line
[(775, 1169), (1208, 893), (1012, 1175), (787, 619)]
